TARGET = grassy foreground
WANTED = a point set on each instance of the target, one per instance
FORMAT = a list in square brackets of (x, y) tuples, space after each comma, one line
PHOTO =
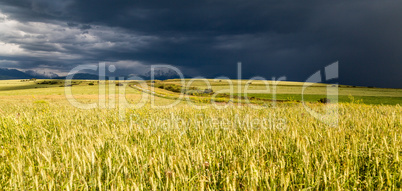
[(47, 144), (51, 147)]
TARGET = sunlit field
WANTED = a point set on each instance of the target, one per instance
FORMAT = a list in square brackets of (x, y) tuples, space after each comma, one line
[(48, 144)]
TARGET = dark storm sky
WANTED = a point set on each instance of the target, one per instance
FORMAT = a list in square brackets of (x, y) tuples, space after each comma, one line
[(207, 38)]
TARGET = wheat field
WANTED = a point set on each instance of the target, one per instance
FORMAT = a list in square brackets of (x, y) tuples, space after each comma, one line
[(47, 144), (51, 147)]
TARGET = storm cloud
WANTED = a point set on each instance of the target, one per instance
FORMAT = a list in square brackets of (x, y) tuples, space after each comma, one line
[(207, 38)]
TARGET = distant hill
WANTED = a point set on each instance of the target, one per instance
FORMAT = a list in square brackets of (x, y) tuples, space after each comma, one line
[(162, 74), (41, 74), (8, 74), (82, 76)]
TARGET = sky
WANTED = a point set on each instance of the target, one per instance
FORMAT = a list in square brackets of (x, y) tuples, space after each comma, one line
[(271, 38)]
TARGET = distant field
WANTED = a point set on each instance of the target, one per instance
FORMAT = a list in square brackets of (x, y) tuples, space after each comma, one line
[(284, 90), (386, 100), (292, 91), (48, 144)]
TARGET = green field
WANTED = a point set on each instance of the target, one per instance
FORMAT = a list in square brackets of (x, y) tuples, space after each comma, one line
[(292, 91), (48, 144)]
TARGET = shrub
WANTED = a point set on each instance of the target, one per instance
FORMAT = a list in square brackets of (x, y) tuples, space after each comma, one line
[(48, 82), (170, 87), (208, 91), (173, 88), (324, 100)]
